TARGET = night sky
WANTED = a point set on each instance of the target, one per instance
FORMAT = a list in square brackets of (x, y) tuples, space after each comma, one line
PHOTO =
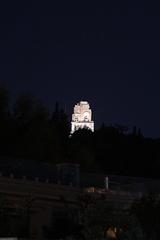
[(107, 54)]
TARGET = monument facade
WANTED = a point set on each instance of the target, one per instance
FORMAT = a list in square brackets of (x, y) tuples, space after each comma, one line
[(82, 117)]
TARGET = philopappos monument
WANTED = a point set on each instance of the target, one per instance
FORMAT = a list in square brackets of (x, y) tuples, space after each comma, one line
[(82, 117)]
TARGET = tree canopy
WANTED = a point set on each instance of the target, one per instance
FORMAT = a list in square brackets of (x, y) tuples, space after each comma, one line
[(28, 129)]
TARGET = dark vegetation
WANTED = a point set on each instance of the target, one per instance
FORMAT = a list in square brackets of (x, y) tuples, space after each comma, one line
[(29, 130), (95, 218)]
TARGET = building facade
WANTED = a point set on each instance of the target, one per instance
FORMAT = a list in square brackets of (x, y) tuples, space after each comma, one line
[(82, 117)]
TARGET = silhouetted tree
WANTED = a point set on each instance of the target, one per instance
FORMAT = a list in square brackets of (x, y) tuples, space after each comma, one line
[(58, 136), (82, 148), (29, 130), (31, 127), (97, 215), (5, 121)]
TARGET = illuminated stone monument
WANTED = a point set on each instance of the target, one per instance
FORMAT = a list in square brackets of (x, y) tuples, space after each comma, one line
[(82, 117)]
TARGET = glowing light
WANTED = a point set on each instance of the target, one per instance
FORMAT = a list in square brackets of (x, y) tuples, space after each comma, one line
[(82, 117)]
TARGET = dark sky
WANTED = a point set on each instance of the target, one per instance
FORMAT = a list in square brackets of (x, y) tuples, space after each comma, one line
[(108, 54)]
